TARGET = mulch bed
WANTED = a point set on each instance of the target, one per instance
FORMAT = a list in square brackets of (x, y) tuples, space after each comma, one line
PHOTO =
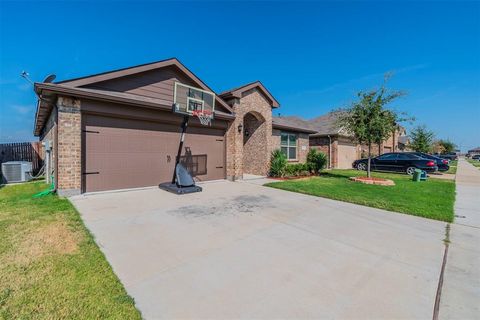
[(372, 180), (293, 178)]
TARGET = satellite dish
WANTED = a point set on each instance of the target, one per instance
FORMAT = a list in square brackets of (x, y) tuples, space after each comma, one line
[(49, 78)]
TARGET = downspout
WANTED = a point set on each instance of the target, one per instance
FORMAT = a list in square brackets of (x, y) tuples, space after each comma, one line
[(329, 152)]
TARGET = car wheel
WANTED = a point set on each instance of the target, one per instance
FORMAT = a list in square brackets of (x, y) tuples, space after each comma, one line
[(410, 170), (362, 166)]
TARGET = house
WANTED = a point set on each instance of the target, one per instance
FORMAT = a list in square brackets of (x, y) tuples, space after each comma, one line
[(116, 130), (342, 151), (473, 152)]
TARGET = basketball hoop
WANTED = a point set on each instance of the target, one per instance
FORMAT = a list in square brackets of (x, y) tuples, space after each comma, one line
[(205, 116)]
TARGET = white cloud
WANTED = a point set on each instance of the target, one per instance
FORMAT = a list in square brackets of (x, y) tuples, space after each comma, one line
[(22, 109)]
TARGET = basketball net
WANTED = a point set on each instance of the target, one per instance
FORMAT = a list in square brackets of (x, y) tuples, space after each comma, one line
[(204, 116)]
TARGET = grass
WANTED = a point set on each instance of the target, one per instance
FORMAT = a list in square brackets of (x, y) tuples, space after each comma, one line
[(50, 266), (431, 199), (476, 163), (453, 167)]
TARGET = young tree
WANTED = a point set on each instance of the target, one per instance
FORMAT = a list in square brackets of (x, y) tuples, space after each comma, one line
[(368, 121), (421, 139), (446, 145)]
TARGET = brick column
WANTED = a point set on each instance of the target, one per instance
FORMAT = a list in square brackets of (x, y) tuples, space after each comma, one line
[(69, 147), (235, 147)]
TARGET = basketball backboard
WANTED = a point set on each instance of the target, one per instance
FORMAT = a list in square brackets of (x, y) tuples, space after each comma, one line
[(188, 99)]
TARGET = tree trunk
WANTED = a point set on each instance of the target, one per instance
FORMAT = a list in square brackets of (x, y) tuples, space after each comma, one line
[(393, 139), (369, 159)]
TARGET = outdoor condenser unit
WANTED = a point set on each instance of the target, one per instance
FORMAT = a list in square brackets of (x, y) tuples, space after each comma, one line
[(16, 171)]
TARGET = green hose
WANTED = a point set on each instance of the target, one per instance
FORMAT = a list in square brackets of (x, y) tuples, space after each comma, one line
[(48, 191)]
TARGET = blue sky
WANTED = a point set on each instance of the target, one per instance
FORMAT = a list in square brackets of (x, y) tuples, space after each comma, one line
[(313, 56)]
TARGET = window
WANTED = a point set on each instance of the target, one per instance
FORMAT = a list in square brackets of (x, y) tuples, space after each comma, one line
[(407, 156), (388, 156), (288, 145)]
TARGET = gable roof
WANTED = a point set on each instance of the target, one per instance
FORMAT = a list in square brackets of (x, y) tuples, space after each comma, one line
[(293, 123), (99, 77), (77, 87), (237, 92), (326, 124)]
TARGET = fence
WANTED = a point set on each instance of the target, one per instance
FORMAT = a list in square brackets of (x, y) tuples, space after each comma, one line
[(22, 151)]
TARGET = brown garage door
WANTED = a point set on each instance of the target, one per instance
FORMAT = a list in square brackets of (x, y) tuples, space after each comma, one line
[(347, 153), (125, 153)]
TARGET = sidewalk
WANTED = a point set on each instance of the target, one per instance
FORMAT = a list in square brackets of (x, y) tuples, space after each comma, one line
[(461, 287)]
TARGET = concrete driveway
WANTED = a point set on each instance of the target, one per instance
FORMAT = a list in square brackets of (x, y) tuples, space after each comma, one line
[(241, 250)]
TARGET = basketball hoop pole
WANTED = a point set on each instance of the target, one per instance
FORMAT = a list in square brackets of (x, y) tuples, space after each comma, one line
[(180, 146)]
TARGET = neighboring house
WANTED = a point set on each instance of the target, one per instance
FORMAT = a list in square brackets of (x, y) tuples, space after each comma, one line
[(473, 152), (116, 130), (340, 148)]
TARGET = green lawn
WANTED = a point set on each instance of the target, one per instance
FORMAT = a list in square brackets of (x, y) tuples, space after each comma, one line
[(453, 167), (476, 163), (50, 266), (432, 199)]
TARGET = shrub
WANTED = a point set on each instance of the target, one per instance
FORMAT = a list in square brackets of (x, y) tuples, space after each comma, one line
[(316, 161), (278, 163), (297, 169)]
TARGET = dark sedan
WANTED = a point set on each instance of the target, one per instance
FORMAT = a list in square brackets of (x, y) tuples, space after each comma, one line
[(448, 156), (397, 162), (442, 164)]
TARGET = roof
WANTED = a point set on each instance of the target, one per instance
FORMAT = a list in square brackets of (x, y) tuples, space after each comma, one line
[(292, 123), (75, 87), (237, 92), (477, 149), (326, 125)]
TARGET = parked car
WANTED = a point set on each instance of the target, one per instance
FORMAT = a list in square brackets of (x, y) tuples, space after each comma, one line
[(442, 164), (448, 156), (476, 157), (397, 162)]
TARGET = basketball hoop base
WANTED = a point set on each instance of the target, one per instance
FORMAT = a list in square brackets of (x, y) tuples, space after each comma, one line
[(173, 188)]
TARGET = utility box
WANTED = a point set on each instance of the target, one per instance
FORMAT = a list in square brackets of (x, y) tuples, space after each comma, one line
[(16, 171)]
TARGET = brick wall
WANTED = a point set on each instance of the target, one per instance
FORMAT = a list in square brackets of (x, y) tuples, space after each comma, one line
[(322, 144), (256, 150), (69, 146)]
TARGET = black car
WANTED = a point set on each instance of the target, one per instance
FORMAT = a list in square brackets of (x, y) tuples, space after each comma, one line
[(448, 156), (476, 157), (442, 164), (397, 162)]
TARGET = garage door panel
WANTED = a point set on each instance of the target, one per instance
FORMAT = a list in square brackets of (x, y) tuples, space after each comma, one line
[(347, 154), (124, 153)]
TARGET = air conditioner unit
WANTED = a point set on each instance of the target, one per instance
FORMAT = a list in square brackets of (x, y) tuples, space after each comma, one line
[(16, 171)]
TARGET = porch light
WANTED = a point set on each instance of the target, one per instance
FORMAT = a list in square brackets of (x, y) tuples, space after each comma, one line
[(240, 127)]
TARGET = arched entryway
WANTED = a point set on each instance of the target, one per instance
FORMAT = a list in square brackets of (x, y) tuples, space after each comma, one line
[(255, 144)]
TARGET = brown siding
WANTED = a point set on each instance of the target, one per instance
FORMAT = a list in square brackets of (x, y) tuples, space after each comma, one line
[(158, 84)]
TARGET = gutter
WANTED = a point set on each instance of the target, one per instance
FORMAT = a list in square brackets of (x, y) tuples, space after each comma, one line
[(160, 105), (280, 126)]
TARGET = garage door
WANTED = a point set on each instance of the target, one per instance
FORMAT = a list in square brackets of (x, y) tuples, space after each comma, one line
[(347, 153), (125, 153)]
